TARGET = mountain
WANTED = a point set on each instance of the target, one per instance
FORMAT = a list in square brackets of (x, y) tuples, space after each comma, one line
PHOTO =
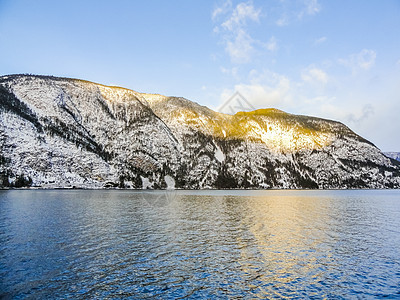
[(61, 132), (393, 155)]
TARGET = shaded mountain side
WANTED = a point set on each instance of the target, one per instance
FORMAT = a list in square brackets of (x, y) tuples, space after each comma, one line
[(61, 132)]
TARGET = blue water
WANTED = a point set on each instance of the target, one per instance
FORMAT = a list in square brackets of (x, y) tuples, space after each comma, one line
[(199, 244)]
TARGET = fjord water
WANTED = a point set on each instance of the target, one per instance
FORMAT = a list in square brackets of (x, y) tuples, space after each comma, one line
[(208, 244)]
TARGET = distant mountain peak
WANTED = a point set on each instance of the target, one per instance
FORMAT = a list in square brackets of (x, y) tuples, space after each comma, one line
[(393, 155)]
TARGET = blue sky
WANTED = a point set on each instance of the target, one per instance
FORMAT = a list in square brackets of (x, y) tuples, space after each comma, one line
[(333, 59)]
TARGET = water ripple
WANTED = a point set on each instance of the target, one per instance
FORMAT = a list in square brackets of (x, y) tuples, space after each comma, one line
[(199, 244)]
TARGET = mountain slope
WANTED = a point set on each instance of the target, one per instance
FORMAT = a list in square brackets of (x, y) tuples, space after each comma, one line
[(68, 132)]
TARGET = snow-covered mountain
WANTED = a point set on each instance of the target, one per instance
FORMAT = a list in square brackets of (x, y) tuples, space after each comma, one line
[(60, 132), (394, 155)]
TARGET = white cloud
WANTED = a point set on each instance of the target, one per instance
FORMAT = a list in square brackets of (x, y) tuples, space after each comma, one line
[(272, 44), (329, 109), (268, 89), (362, 115), (320, 40), (264, 90), (240, 48), (363, 60), (232, 72), (238, 42), (314, 75), (219, 10), (283, 20), (366, 59), (297, 10), (312, 7), (242, 13)]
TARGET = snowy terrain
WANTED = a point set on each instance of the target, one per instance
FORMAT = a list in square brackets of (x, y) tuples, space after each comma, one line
[(60, 132), (394, 155)]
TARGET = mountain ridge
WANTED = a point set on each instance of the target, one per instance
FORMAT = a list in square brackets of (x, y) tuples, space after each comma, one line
[(63, 132)]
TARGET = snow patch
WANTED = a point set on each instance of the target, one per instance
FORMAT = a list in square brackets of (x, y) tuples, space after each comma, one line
[(219, 155), (170, 182), (146, 184)]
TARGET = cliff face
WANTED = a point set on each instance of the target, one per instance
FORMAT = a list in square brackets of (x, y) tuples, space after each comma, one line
[(59, 132)]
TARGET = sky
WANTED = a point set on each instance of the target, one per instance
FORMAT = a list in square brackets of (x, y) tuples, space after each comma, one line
[(337, 60)]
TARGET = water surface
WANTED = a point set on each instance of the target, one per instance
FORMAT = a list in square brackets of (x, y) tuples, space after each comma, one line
[(191, 244)]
